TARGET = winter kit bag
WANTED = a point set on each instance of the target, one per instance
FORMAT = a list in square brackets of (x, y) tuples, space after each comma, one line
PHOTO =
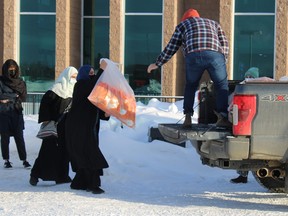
[(47, 129), (113, 95)]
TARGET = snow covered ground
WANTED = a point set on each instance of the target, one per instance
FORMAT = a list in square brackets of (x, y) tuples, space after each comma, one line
[(144, 178)]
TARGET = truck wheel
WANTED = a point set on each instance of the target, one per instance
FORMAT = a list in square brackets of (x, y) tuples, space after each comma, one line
[(272, 184)]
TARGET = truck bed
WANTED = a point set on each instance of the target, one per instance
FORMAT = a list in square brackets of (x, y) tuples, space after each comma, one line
[(176, 133)]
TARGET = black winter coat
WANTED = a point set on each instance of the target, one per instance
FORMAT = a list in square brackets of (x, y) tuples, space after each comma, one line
[(82, 129), (11, 117)]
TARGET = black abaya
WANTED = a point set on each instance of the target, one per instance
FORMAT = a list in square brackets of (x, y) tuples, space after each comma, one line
[(52, 163), (82, 129)]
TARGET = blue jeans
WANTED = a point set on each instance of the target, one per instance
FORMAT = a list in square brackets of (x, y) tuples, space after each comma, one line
[(214, 63)]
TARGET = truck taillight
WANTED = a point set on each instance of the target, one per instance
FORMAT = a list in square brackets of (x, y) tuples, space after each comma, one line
[(244, 110)]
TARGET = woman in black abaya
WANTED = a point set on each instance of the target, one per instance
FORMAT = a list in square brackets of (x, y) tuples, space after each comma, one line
[(52, 163), (82, 129)]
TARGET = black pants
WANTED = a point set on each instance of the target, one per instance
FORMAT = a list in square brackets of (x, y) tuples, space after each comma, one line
[(20, 144)]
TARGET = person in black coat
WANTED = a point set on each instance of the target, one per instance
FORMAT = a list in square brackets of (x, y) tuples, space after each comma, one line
[(12, 92), (82, 133), (52, 163)]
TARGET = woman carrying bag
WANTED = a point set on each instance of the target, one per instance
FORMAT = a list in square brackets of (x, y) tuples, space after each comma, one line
[(82, 133), (52, 163)]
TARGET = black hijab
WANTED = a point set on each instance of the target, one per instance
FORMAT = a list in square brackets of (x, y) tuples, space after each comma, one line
[(13, 81)]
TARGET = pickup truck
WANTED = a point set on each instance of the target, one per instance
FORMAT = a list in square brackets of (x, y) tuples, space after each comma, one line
[(258, 139)]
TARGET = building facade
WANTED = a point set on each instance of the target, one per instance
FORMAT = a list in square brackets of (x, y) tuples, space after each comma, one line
[(46, 36)]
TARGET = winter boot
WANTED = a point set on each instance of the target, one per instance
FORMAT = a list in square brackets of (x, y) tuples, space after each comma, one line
[(188, 120), (239, 179), (222, 121)]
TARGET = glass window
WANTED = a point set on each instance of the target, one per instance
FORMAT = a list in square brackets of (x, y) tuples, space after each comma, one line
[(253, 43), (147, 6), (38, 6), (261, 6), (143, 43), (142, 46), (95, 31), (37, 46), (96, 41), (96, 8)]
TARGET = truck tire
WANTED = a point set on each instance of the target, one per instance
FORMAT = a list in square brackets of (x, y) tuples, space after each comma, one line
[(272, 184)]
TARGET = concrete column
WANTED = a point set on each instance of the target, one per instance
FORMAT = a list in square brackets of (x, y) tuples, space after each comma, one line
[(173, 76), (116, 40), (8, 22), (1, 31), (226, 21), (62, 36), (68, 34), (281, 45)]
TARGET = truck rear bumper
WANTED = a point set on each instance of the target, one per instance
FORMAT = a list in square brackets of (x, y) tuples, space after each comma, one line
[(176, 133), (213, 142), (229, 147)]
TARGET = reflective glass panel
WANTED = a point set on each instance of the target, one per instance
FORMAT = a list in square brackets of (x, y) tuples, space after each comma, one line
[(96, 41), (96, 7), (261, 6), (147, 6), (37, 51), (142, 46), (253, 45), (37, 5)]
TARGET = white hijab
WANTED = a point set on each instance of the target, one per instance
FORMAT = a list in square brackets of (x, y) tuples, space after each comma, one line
[(64, 85)]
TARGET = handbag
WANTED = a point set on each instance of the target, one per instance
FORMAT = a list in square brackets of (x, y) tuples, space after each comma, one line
[(49, 129)]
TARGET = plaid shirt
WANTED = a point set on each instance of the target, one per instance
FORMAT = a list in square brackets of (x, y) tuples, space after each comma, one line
[(195, 34)]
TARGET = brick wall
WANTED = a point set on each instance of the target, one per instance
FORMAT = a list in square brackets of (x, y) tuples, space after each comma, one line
[(1, 32), (116, 31), (68, 34), (208, 9), (281, 57), (8, 43), (225, 20), (172, 71), (75, 33)]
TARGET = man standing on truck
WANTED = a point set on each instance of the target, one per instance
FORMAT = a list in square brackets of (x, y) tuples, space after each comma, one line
[(205, 47)]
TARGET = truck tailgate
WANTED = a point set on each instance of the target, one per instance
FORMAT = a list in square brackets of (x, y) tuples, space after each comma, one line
[(175, 133)]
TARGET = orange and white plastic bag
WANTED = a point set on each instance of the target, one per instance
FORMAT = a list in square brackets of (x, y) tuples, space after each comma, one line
[(113, 95)]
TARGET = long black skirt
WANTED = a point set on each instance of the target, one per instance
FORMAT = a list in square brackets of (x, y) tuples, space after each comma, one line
[(52, 163)]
